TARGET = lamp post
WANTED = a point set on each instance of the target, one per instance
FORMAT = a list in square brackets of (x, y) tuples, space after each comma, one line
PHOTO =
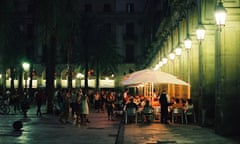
[(188, 46), (25, 105), (26, 67), (200, 33), (172, 55), (200, 36), (220, 15), (178, 50)]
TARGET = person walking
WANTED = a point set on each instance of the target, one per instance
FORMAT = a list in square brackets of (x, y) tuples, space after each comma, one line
[(103, 100), (73, 103), (164, 107), (78, 106), (97, 102), (39, 100), (66, 105), (16, 102), (110, 106), (25, 104), (84, 108)]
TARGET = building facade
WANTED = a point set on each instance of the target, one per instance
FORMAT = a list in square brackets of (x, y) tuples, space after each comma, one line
[(210, 65), (121, 20)]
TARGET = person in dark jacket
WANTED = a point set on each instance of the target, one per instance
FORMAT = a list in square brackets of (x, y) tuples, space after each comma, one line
[(110, 106), (39, 101), (164, 107)]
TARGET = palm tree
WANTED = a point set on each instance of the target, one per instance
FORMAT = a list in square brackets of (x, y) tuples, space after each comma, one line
[(60, 24), (45, 20), (98, 47), (88, 27), (68, 30), (105, 57), (57, 26), (11, 37)]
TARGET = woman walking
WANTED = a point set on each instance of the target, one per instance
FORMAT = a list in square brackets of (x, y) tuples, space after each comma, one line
[(84, 108)]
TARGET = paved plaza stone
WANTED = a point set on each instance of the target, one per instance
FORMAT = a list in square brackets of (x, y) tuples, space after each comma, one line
[(48, 130)]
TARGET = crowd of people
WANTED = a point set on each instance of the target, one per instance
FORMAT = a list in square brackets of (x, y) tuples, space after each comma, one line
[(162, 100), (68, 103), (76, 104), (19, 102)]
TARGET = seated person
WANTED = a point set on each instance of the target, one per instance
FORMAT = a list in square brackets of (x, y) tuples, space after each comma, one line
[(178, 104), (189, 104), (137, 100), (129, 105), (147, 111)]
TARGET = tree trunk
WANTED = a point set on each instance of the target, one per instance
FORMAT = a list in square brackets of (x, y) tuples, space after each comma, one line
[(50, 70), (97, 76), (12, 79), (70, 76), (86, 77), (30, 90), (86, 63), (20, 83)]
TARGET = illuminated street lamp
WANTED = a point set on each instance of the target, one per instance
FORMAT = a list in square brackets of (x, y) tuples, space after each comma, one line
[(164, 60), (220, 15), (160, 63), (112, 75), (80, 76), (188, 46), (188, 43), (178, 51), (171, 56), (200, 32), (200, 36), (26, 67)]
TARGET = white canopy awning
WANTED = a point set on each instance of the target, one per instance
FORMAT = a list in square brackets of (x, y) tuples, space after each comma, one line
[(148, 75)]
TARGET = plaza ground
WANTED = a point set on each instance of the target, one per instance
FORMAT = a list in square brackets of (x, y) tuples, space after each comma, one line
[(48, 130)]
